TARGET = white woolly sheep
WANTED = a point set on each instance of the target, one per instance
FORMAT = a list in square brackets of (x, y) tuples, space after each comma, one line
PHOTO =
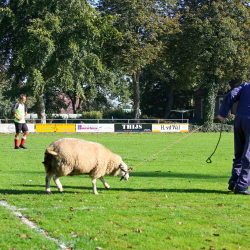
[(70, 156)]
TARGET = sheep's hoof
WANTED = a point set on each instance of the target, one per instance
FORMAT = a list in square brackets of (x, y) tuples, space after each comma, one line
[(48, 192), (96, 193), (61, 192), (107, 187)]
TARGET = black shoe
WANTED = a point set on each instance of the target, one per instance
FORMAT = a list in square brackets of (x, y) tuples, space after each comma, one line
[(241, 191), (17, 147), (231, 185), (22, 147)]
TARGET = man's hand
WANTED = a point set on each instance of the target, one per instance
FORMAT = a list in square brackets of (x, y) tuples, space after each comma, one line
[(221, 118), (18, 117)]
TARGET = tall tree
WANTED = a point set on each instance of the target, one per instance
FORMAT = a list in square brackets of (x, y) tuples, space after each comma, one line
[(40, 41), (212, 46), (157, 90), (140, 22)]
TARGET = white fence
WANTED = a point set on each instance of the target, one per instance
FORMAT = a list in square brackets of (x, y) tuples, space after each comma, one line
[(68, 119), (99, 127)]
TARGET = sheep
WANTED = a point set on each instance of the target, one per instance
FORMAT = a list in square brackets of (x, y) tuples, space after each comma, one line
[(69, 156)]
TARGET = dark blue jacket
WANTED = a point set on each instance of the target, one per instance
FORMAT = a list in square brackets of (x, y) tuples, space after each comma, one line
[(241, 94)]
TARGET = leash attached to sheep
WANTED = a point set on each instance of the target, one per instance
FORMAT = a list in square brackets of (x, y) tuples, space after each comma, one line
[(131, 168)]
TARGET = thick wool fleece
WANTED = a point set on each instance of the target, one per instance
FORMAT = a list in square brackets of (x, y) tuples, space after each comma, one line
[(70, 156)]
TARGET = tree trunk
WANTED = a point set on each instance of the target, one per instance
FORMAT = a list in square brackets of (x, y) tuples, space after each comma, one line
[(73, 98), (170, 101), (73, 101), (136, 93), (41, 109), (210, 94), (79, 105)]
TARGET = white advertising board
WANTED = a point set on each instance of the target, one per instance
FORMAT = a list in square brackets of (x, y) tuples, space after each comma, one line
[(95, 128), (179, 127), (10, 128)]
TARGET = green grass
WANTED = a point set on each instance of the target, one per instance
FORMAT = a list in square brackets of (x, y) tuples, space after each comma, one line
[(174, 201)]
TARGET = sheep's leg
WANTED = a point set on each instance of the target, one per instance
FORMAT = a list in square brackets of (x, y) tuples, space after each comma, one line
[(58, 183), (106, 185), (94, 186), (47, 179)]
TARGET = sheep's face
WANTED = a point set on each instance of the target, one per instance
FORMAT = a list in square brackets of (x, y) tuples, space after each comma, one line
[(123, 170)]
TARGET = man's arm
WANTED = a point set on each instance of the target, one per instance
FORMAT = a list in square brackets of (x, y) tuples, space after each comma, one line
[(232, 97), (13, 110), (221, 118)]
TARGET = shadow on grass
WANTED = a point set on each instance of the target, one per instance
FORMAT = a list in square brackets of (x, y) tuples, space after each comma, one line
[(68, 189), (170, 174), (162, 174)]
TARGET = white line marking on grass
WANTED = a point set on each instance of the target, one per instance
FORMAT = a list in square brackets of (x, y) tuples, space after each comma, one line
[(90, 207), (29, 223)]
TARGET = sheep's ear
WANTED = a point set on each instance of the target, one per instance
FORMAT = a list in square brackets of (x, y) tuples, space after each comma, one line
[(49, 151)]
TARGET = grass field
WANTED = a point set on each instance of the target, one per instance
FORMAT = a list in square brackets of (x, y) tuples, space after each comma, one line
[(174, 201)]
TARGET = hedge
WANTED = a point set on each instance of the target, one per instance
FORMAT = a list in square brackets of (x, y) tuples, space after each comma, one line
[(216, 127)]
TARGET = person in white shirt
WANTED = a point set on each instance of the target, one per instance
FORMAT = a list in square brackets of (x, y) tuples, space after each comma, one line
[(19, 111)]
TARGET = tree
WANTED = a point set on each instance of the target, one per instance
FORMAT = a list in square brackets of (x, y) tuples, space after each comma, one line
[(5, 107), (157, 90), (40, 42), (140, 22), (104, 86), (5, 104), (211, 47), (54, 100)]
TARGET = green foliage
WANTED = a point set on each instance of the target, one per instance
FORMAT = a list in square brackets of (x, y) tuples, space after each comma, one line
[(210, 94), (141, 23), (160, 92), (84, 53), (212, 41), (211, 46), (92, 115), (230, 119), (60, 40), (216, 127), (156, 90), (36, 82), (54, 100), (117, 113), (5, 107)]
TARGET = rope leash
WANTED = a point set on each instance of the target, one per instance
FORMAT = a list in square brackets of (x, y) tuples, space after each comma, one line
[(209, 158), (131, 168)]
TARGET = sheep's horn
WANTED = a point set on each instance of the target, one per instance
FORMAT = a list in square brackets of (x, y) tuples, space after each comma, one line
[(129, 170)]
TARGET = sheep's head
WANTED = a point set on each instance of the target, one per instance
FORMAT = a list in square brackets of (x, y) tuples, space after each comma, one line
[(124, 171)]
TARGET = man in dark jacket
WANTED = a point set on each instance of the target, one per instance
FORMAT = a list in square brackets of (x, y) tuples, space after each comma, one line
[(19, 111), (240, 179)]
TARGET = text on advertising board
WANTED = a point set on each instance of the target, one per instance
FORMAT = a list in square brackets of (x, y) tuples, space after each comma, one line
[(95, 128), (180, 127), (133, 127)]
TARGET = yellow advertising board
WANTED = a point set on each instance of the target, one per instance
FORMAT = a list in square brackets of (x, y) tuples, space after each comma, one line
[(45, 128), (50, 128), (66, 128)]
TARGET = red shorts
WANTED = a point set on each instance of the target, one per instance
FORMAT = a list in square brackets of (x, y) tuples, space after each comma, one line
[(21, 127)]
